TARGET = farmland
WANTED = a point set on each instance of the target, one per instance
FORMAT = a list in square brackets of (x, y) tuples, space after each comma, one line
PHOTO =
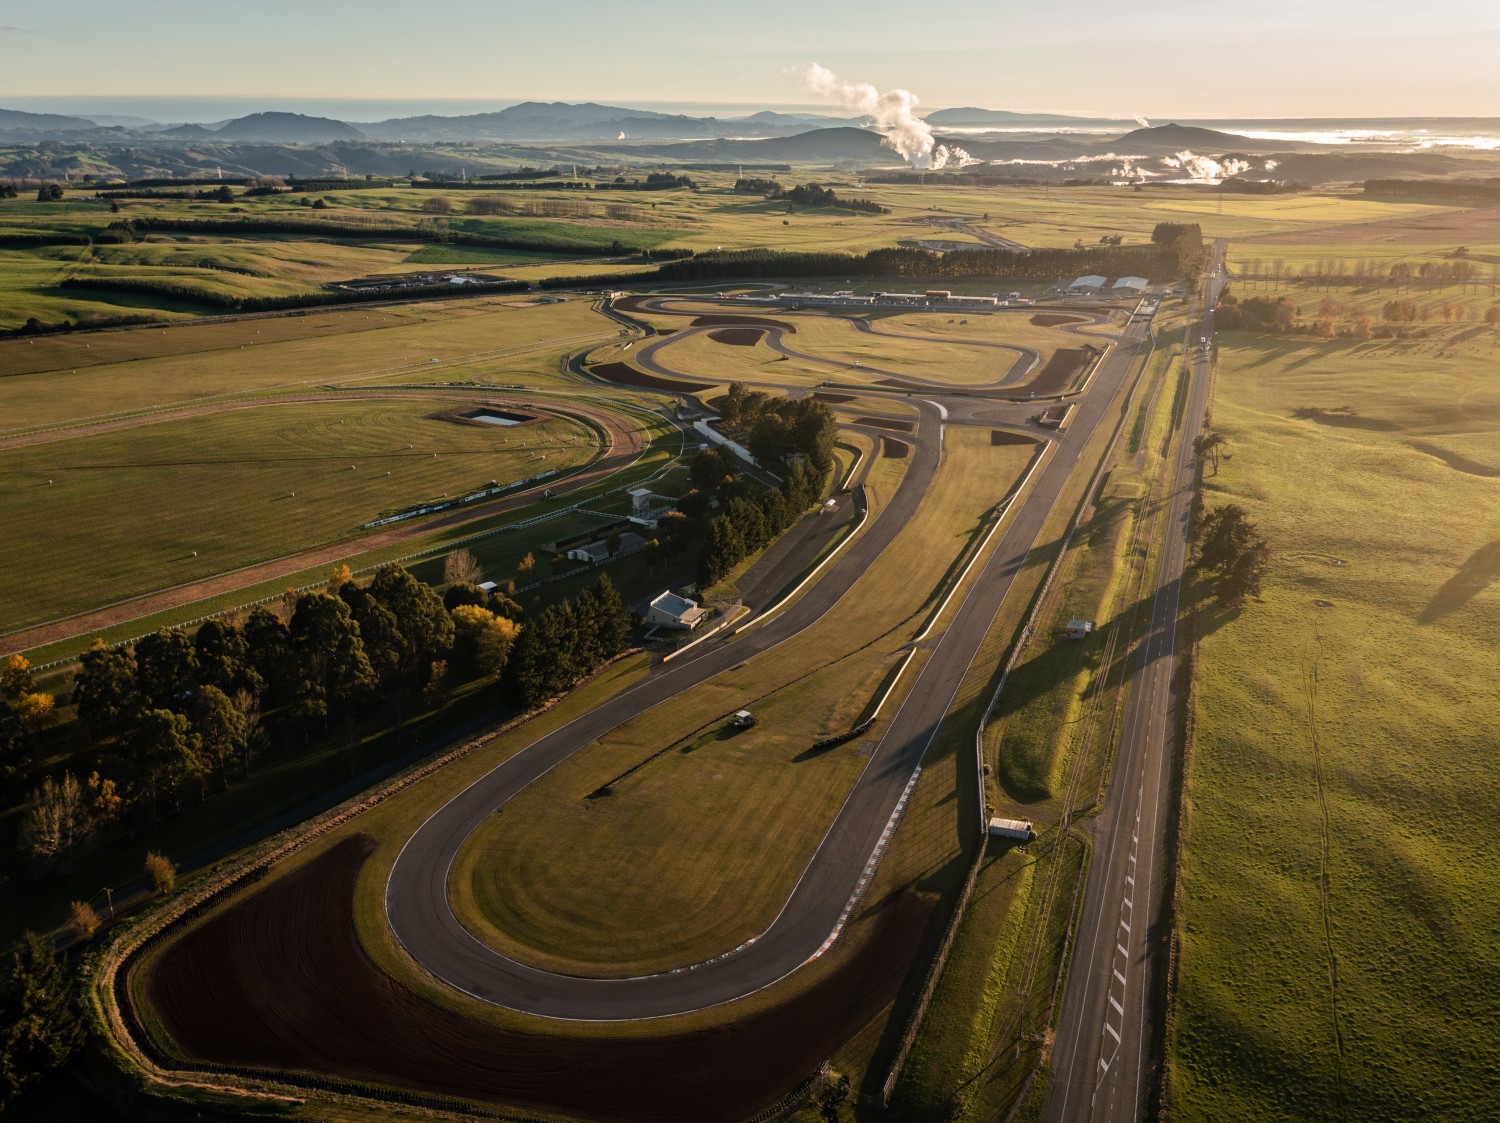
[(1336, 837), (246, 484)]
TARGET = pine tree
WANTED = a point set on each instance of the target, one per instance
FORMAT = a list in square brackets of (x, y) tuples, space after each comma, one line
[(40, 1027)]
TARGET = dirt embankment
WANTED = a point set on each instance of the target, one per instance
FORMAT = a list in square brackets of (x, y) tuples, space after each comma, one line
[(737, 337), (624, 375), (892, 449), (885, 423), (1053, 319), (727, 321), (1003, 437), (1058, 374), (279, 981)]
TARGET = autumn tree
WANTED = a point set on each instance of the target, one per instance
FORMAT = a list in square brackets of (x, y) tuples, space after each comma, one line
[(57, 819), (16, 679), (83, 921), (462, 567), (161, 874)]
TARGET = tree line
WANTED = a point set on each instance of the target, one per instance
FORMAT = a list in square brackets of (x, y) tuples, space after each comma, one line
[(900, 261), (806, 195), (1453, 190), (177, 713)]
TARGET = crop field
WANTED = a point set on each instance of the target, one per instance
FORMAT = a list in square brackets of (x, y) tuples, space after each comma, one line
[(1337, 954), (683, 871), (154, 505)]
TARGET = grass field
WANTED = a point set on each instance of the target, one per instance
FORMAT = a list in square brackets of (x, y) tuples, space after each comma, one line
[(1336, 951), (682, 870), (244, 485), (707, 219), (77, 378)]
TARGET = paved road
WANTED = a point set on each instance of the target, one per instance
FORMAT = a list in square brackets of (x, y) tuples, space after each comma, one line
[(417, 906), (1109, 1027)]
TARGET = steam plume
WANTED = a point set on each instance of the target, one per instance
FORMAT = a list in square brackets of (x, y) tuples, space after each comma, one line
[(1141, 121), (894, 115), (1206, 167)]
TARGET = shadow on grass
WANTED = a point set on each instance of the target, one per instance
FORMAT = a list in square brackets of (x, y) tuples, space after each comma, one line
[(1472, 578), (1026, 776)]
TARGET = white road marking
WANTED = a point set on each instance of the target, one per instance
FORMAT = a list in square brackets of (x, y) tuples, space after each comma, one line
[(1112, 1031), (1119, 976), (1118, 1008)]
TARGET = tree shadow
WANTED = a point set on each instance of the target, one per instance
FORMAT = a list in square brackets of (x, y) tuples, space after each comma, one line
[(1472, 578), (1058, 658)]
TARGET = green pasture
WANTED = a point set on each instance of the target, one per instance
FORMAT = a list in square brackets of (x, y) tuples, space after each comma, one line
[(137, 509), (1337, 957), (492, 539), (74, 378), (682, 868)]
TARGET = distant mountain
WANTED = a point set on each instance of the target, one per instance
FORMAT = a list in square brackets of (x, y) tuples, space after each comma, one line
[(186, 132), (837, 145), (1164, 140), (114, 121), (972, 116), (13, 120), (561, 121), (287, 128)]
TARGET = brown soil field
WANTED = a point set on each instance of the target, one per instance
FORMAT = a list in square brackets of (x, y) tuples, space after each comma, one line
[(1052, 319), (279, 982), (625, 375), (1059, 372), (737, 337), (892, 449), (726, 321), (1002, 437), (824, 396), (885, 423)]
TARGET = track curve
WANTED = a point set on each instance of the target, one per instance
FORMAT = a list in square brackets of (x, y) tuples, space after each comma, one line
[(417, 905)]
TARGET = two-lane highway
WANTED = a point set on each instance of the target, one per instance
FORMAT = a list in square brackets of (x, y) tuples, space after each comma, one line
[(1109, 1026)]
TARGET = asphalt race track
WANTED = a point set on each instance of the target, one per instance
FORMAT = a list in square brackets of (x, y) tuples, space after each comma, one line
[(417, 906)]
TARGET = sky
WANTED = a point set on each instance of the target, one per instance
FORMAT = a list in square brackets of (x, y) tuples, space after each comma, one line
[(1115, 58)]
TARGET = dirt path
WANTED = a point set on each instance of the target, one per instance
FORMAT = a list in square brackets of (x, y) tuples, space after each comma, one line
[(626, 444)]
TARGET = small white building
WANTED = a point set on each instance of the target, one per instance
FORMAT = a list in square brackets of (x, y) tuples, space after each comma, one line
[(1134, 285), (1085, 285), (487, 586), (1079, 629), (668, 610), (1018, 829)]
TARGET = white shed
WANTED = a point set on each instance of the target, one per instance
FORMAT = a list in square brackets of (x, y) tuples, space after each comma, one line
[(1018, 829), (1131, 284), (1078, 629), (668, 610), (1090, 283)]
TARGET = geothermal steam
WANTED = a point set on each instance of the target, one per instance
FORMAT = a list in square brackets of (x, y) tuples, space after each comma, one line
[(1205, 167), (895, 119)]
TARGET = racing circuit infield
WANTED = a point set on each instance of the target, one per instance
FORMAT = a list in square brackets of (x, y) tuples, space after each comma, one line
[(278, 980)]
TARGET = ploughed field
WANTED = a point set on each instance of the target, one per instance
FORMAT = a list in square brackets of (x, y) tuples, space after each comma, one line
[(278, 982)]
